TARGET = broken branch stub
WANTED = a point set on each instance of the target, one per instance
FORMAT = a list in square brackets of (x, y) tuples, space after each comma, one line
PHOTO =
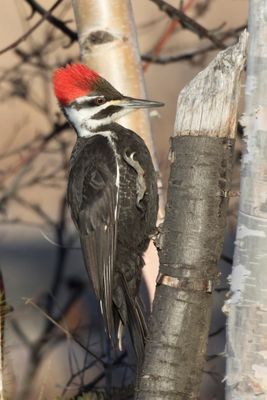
[(193, 230)]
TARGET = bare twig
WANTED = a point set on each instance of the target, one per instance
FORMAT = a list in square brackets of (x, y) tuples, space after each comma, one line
[(186, 55), (36, 7), (189, 54), (166, 35), (188, 22), (31, 30), (34, 152), (62, 329)]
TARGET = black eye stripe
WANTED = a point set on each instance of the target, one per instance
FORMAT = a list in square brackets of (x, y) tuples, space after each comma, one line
[(87, 103), (84, 104), (107, 112)]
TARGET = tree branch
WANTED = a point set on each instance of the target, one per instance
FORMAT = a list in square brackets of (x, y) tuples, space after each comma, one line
[(188, 22), (53, 20), (166, 35), (189, 54), (32, 29), (34, 152)]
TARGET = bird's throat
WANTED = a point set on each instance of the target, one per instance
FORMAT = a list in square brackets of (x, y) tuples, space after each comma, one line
[(82, 122)]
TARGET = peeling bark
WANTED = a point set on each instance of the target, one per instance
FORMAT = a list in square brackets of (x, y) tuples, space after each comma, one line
[(247, 306), (193, 230)]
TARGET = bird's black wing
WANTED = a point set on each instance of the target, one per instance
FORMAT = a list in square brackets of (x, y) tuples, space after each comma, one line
[(92, 195)]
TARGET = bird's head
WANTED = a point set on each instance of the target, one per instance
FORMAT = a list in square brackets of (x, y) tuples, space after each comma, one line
[(89, 101)]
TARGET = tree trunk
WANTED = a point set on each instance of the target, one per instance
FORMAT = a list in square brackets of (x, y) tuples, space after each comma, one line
[(247, 306), (193, 231), (7, 381), (108, 43)]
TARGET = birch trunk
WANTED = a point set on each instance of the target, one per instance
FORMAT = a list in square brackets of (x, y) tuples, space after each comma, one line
[(108, 43), (193, 230), (247, 323), (7, 381)]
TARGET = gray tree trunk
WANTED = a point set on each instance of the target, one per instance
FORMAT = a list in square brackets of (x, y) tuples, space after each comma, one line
[(193, 231), (247, 306)]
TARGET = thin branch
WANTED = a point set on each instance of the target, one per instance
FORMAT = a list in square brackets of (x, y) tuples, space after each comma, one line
[(186, 55), (18, 221), (36, 208), (188, 22), (53, 20), (166, 35), (98, 378), (62, 329), (189, 54), (58, 128), (31, 30)]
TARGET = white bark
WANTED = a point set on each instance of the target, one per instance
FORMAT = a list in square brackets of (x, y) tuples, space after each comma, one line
[(7, 381), (108, 43), (247, 306)]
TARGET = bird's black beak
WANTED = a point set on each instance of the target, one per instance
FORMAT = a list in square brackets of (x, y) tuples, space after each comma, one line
[(130, 102)]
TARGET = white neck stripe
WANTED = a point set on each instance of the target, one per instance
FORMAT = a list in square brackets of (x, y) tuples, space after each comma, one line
[(82, 119)]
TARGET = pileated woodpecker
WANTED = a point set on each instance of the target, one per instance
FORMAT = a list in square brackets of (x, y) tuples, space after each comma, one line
[(112, 193)]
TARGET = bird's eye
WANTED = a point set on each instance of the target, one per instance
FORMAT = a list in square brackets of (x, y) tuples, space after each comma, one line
[(100, 100)]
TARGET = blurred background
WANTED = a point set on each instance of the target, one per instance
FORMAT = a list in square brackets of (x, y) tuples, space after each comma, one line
[(40, 259)]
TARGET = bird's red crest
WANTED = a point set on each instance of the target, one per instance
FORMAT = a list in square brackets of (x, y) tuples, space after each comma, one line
[(73, 81)]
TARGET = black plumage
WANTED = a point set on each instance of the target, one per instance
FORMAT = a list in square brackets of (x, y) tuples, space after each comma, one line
[(115, 211), (112, 194)]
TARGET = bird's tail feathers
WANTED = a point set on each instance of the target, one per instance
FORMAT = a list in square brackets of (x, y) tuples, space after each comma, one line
[(136, 322)]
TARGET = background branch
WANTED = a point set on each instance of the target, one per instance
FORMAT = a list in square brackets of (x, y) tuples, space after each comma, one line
[(188, 22), (36, 7), (32, 29)]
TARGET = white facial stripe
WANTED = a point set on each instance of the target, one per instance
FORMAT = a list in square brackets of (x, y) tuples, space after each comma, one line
[(84, 123)]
